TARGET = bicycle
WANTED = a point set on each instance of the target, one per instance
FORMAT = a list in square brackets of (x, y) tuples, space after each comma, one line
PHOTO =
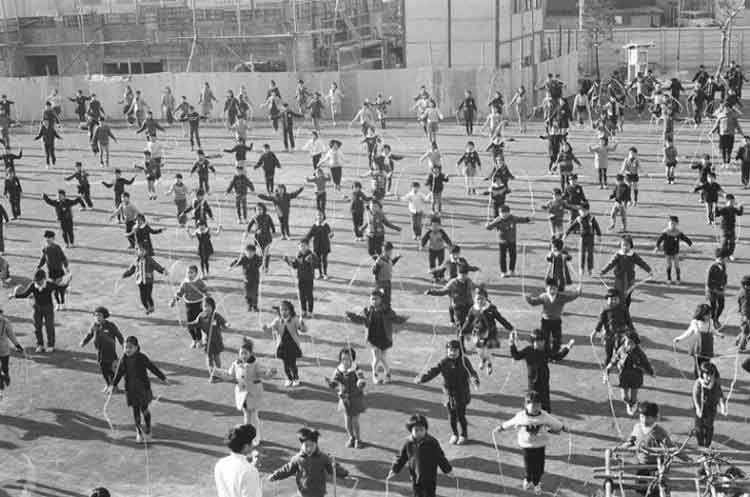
[(729, 482)]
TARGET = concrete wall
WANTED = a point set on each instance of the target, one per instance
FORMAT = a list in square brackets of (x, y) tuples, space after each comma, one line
[(447, 85), (33, 8)]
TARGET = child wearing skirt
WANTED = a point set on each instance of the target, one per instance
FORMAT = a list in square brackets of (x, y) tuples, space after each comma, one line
[(286, 329), (349, 382), (247, 374), (702, 347), (708, 399), (205, 247), (134, 367), (211, 325), (558, 269), (106, 335), (632, 362), (191, 291), (262, 229), (481, 324)]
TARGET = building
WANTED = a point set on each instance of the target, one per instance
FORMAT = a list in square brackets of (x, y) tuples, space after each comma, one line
[(66, 37), (473, 33)]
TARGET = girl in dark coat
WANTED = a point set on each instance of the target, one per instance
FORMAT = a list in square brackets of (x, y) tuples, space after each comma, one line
[(557, 268), (134, 367), (632, 362), (481, 324), (106, 335), (349, 382), (468, 109), (263, 229), (205, 247), (708, 399), (320, 234), (457, 372)]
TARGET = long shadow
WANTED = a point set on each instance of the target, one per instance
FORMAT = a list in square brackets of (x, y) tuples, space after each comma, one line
[(27, 487)]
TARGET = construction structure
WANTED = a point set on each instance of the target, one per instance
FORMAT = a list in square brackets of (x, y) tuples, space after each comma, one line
[(70, 37)]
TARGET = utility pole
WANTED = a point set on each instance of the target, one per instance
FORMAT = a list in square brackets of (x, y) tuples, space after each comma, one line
[(581, 10), (294, 35)]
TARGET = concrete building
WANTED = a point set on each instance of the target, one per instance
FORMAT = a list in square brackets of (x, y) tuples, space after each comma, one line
[(65, 37)]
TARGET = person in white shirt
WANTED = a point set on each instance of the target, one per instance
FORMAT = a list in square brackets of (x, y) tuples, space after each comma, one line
[(235, 475), (316, 148), (416, 201)]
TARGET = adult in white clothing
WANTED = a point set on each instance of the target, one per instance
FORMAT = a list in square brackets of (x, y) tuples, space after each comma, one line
[(235, 475)]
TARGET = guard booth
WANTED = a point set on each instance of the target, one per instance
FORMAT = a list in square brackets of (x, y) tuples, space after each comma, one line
[(637, 58)]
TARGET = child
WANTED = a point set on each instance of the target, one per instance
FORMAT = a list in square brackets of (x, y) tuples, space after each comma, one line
[(48, 134), (716, 284), (506, 234), (457, 372), (615, 320), (423, 455), (357, 210), (387, 162), (669, 242), (134, 367), (143, 268), (383, 271), (305, 263), (471, 164), (240, 184), (480, 323), (240, 151), (7, 336), (180, 192), (371, 141), (282, 202), (498, 191), (557, 265), (378, 320), (743, 159), (349, 382), (263, 232), (743, 307), (435, 240), (118, 184), (200, 208), (316, 148), (416, 201), (44, 311), (537, 358), (588, 228), (631, 362), (556, 208), (702, 348), (436, 183), (728, 215), (141, 233), (269, 163), (460, 290), (573, 196), (106, 335), (287, 116), (708, 398), (316, 107), (631, 168), (320, 179), (564, 162), (433, 156), (192, 290), (202, 166), (150, 171), (670, 160), (601, 159), (452, 263), (250, 262), (376, 225), (621, 198), (64, 210), (247, 374), (192, 119), (432, 117), (13, 191), (286, 329), (552, 302), (335, 160), (378, 181), (84, 187), (205, 247), (310, 465), (211, 325), (710, 194), (320, 233), (624, 262), (532, 438)]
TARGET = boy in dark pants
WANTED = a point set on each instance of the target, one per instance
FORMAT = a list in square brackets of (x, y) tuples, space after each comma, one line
[(194, 120), (44, 311), (240, 184), (743, 307), (743, 157), (669, 241), (3, 220), (383, 272), (552, 301), (57, 265), (320, 179), (505, 224), (13, 190), (357, 208), (48, 134), (250, 262), (587, 226), (84, 187), (106, 335), (269, 163), (305, 263), (143, 268), (287, 116), (615, 320), (202, 167), (119, 187), (376, 224), (282, 202), (63, 208), (728, 215), (716, 283), (423, 455)]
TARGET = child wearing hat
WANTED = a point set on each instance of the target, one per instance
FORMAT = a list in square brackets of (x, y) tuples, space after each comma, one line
[(58, 271), (457, 373), (716, 283), (532, 425), (349, 382), (422, 454), (708, 399), (310, 466), (537, 358), (631, 362), (106, 336), (669, 243), (615, 321), (134, 367)]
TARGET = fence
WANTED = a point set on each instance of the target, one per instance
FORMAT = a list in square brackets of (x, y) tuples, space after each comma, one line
[(447, 85)]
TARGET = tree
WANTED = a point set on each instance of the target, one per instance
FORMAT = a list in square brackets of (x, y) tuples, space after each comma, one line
[(597, 22), (726, 12)]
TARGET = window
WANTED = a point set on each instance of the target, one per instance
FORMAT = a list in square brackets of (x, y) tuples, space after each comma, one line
[(132, 67), (41, 65)]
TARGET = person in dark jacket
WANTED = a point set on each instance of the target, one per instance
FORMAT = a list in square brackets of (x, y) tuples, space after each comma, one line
[(48, 134), (631, 362), (84, 187), (13, 190), (269, 163), (320, 234), (200, 208), (262, 229), (728, 215), (586, 225), (54, 259), (287, 116), (710, 191), (305, 263), (106, 336), (468, 109), (41, 289), (615, 321), (250, 262), (240, 151), (143, 268), (743, 158), (282, 201), (457, 373), (716, 284), (80, 100), (423, 455), (669, 243), (150, 126), (505, 224), (240, 184), (134, 367), (202, 166), (142, 232), (63, 209), (193, 118), (310, 466), (537, 358)]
